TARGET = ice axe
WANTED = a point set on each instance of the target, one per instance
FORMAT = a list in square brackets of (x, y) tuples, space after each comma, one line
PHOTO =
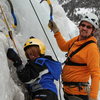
[(51, 8), (9, 30)]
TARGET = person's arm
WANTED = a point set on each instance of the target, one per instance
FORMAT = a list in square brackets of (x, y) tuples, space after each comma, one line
[(27, 72), (93, 64), (62, 43)]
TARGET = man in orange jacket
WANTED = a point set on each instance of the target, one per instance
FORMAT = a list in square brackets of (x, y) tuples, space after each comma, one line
[(82, 61)]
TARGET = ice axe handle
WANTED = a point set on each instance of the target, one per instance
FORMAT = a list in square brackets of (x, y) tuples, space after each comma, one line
[(51, 24), (10, 34)]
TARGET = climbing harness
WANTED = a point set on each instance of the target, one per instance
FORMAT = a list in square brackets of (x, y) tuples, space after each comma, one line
[(13, 14), (9, 30), (69, 62), (79, 85), (76, 84), (51, 18)]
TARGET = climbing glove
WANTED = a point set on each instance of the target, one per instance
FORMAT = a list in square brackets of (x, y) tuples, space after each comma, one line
[(12, 55), (52, 25)]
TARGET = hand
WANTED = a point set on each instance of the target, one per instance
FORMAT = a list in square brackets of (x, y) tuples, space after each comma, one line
[(12, 55), (52, 25)]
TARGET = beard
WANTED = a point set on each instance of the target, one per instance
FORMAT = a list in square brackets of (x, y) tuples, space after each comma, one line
[(85, 37), (82, 32)]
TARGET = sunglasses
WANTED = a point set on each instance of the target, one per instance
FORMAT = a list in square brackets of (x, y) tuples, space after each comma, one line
[(87, 26)]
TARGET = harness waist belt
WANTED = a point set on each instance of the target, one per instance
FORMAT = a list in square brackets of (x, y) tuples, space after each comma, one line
[(76, 83)]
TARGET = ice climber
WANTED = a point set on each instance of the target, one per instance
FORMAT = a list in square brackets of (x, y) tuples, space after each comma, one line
[(40, 71), (82, 61)]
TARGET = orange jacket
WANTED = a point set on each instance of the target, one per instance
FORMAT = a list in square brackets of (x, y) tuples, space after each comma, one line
[(88, 55)]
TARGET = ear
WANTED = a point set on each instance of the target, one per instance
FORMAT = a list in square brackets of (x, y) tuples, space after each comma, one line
[(94, 30), (78, 26)]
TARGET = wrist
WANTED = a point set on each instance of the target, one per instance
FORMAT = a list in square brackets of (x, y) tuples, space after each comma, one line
[(55, 31)]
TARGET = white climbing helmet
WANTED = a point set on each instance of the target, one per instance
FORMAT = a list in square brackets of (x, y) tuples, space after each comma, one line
[(91, 18)]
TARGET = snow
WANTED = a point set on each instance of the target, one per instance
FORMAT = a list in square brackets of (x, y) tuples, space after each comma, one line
[(28, 25), (83, 10)]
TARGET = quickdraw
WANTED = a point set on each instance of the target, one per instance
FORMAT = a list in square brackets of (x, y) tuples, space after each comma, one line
[(13, 14), (51, 8)]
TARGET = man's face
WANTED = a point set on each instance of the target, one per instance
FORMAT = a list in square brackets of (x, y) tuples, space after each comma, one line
[(86, 29)]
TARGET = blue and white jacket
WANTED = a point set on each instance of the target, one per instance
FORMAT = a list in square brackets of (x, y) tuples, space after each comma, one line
[(40, 74)]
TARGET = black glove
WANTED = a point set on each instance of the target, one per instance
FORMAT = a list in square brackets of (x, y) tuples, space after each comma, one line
[(12, 55)]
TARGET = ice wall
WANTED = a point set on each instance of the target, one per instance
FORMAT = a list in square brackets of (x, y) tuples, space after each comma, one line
[(8, 89)]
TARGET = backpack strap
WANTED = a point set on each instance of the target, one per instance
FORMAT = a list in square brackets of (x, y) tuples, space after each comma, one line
[(69, 62)]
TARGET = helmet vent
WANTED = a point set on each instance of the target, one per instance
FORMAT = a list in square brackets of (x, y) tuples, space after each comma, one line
[(25, 44), (86, 17), (93, 20), (30, 42), (96, 23), (32, 37)]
